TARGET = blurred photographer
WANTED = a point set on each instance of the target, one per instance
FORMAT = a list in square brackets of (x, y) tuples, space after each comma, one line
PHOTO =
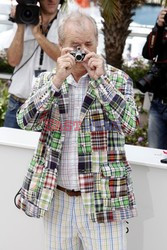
[(155, 81), (33, 49)]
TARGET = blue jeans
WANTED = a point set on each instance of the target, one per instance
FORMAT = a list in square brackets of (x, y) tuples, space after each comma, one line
[(10, 117), (157, 129)]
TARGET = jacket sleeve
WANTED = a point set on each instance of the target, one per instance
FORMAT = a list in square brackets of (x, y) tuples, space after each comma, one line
[(153, 43), (33, 114), (115, 93)]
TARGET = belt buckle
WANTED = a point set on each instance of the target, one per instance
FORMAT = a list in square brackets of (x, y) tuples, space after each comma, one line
[(69, 192)]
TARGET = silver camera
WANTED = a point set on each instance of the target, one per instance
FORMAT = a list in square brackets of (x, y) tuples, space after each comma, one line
[(78, 54)]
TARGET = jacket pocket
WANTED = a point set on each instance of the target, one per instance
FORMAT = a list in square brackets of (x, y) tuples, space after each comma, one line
[(114, 182)]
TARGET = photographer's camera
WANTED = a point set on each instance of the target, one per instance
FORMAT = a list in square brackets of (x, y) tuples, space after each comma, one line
[(149, 80), (78, 54), (27, 12)]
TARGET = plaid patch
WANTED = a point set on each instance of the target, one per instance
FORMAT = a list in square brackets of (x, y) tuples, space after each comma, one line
[(99, 207), (88, 100), (63, 103), (114, 215), (120, 202), (116, 141), (114, 156), (98, 158), (118, 187), (53, 159), (55, 142), (99, 140), (84, 143), (86, 182), (45, 198), (53, 123), (50, 179), (115, 169), (97, 120), (97, 183), (85, 126), (35, 182), (84, 165), (102, 217), (27, 179)]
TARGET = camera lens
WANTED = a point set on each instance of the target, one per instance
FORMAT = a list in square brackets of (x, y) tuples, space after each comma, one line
[(78, 57), (27, 15)]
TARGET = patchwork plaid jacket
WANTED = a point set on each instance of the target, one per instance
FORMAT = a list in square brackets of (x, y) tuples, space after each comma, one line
[(108, 113)]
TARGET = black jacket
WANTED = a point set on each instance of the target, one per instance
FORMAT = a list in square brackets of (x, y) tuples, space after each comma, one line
[(156, 47)]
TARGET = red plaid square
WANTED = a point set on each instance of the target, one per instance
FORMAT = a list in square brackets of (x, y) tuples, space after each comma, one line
[(50, 180), (86, 182), (118, 187), (99, 140)]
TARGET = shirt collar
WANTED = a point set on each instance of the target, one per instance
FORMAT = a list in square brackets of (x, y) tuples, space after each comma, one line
[(71, 80)]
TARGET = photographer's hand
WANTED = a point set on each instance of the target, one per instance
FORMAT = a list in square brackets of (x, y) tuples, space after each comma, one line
[(64, 67), (160, 19), (94, 64), (36, 29), (50, 48), (14, 55)]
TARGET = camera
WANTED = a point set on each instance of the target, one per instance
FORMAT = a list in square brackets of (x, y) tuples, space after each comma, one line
[(78, 54), (165, 19), (148, 81), (27, 12)]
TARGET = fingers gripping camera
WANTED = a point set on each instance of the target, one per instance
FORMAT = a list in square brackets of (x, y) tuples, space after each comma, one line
[(78, 54)]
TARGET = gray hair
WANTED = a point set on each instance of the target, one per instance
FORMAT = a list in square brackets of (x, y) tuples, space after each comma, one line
[(77, 18)]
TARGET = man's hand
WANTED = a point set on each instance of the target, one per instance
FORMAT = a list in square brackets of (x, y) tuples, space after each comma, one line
[(64, 67), (94, 64), (36, 29), (160, 20)]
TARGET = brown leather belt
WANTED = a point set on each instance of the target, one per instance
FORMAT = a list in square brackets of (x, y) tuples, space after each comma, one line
[(69, 192), (18, 99)]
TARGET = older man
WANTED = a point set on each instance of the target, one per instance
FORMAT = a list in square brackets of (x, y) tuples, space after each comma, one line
[(79, 178)]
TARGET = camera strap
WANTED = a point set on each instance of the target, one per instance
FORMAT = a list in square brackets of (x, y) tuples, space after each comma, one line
[(45, 34)]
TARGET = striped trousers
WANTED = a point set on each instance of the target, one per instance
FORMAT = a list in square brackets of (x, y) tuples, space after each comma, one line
[(68, 227)]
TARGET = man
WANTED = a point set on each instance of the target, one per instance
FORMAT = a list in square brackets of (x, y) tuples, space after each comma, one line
[(155, 49), (33, 49), (79, 178)]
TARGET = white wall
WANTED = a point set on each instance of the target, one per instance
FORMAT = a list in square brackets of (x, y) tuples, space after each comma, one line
[(20, 232)]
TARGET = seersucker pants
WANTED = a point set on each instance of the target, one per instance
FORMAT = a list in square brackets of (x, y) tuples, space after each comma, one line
[(67, 227)]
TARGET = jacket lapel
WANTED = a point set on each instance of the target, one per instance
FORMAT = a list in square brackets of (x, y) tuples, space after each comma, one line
[(64, 98), (88, 100)]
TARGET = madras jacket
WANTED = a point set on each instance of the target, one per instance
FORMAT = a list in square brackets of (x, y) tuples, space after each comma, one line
[(108, 113)]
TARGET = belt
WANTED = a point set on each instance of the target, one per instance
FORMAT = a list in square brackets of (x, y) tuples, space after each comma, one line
[(69, 192), (18, 99)]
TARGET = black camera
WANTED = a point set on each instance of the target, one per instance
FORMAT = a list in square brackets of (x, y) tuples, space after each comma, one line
[(27, 12), (165, 19), (78, 54), (149, 80)]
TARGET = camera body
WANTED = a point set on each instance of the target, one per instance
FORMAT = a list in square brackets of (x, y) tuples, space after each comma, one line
[(148, 81), (165, 19), (27, 12), (78, 54)]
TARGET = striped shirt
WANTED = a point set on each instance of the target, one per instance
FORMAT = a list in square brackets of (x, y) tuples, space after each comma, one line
[(68, 169)]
